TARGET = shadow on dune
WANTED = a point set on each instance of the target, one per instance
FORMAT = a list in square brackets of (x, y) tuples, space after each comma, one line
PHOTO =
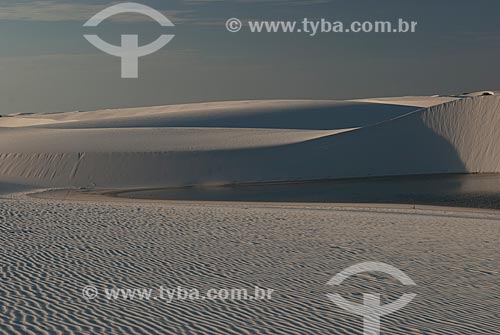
[(322, 116)]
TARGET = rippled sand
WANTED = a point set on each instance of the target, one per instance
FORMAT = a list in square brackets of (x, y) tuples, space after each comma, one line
[(51, 249)]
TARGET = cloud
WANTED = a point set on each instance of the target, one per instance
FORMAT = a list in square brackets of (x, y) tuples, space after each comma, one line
[(57, 11), (53, 11)]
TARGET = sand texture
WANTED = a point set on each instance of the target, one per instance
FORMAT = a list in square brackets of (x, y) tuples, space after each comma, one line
[(51, 250)]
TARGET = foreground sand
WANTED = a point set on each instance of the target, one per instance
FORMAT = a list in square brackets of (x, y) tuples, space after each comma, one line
[(51, 249)]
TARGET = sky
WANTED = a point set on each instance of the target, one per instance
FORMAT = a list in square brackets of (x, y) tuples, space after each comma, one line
[(46, 65)]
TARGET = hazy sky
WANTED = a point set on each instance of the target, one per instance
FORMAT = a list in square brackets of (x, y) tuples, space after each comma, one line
[(47, 65)]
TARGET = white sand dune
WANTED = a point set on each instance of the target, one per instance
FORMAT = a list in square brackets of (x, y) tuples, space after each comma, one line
[(51, 250), (280, 114), (252, 141)]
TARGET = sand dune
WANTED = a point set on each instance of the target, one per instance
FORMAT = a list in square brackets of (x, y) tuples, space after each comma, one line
[(51, 250), (252, 141)]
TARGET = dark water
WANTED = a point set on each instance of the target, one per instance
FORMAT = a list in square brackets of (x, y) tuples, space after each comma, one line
[(479, 191)]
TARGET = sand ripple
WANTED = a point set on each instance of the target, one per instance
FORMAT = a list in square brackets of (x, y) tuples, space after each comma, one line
[(50, 250)]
